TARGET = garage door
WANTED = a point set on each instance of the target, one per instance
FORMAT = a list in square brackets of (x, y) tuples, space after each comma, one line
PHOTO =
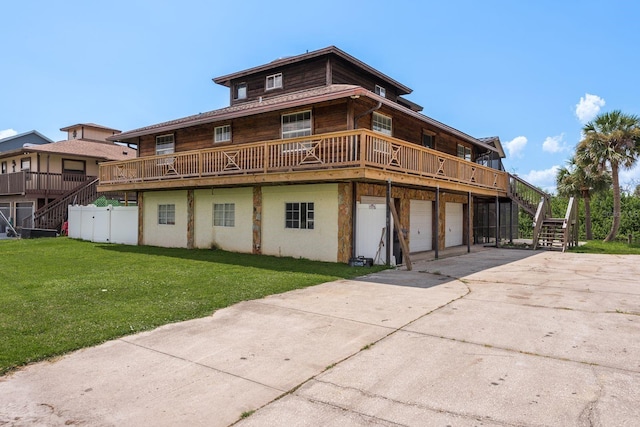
[(420, 220), (371, 220), (453, 225)]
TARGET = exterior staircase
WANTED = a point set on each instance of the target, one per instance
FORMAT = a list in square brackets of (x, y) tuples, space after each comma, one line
[(557, 233), (550, 233), (52, 215)]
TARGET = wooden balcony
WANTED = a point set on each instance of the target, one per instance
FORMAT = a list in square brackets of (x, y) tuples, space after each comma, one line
[(39, 183), (354, 155)]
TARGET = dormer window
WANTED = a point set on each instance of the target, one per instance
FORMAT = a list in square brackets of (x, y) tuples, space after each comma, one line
[(381, 91), (274, 81), (240, 91)]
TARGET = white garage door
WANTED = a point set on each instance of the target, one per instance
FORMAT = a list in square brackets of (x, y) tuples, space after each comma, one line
[(420, 233), (371, 220), (453, 225)]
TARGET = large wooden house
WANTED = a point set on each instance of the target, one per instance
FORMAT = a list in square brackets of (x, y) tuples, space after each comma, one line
[(302, 164)]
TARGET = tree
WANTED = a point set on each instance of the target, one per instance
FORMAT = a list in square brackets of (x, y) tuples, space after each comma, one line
[(580, 179), (611, 141)]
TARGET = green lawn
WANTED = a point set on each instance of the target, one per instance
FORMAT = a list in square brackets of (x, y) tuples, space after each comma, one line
[(59, 295), (600, 247)]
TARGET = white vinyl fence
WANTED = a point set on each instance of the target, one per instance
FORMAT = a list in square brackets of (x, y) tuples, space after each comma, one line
[(110, 224)]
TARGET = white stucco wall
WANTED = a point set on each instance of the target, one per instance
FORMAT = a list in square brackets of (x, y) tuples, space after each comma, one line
[(236, 239), (166, 235), (321, 243)]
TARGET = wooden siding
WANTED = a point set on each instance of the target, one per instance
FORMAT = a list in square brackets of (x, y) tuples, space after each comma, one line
[(295, 77), (344, 73)]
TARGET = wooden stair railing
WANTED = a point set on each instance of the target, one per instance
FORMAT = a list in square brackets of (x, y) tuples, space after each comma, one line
[(52, 214), (558, 233), (527, 196)]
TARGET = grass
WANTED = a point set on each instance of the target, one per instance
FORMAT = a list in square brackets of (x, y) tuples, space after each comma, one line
[(600, 247), (59, 295)]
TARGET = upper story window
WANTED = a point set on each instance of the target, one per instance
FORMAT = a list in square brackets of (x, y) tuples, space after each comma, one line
[(73, 170), (381, 91), (240, 91), (165, 144), (274, 81), (296, 124), (25, 164), (4, 167), (464, 152), (222, 133), (428, 140), (381, 123)]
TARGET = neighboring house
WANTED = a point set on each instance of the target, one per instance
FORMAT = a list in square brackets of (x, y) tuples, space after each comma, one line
[(301, 163), (37, 181), (18, 141)]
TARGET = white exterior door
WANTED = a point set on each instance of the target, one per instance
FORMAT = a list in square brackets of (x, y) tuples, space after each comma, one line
[(454, 225), (371, 219), (421, 229)]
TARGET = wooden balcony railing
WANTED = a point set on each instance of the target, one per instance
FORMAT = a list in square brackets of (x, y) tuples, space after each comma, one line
[(39, 182), (360, 148)]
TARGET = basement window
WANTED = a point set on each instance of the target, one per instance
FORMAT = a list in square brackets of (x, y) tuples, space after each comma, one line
[(224, 214), (167, 214), (299, 215)]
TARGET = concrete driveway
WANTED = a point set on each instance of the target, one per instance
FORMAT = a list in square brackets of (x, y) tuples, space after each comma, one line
[(496, 337)]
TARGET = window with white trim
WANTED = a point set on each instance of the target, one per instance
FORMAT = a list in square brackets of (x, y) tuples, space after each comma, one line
[(381, 91), (224, 214), (222, 133), (240, 91), (167, 214), (381, 123), (295, 125), (274, 81), (299, 215), (464, 152), (165, 144)]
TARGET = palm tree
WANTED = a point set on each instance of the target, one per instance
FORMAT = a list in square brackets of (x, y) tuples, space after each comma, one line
[(612, 141), (580, 179)]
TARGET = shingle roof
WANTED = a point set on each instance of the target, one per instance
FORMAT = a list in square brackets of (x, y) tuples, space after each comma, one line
[(96, 150), (244, 109), (290, 100), (92, 125)]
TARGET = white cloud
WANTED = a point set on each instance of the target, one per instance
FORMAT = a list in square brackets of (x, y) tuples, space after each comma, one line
[(545, 179), (629, 178), (554, 144), (588, 107), (7, 133), (515, 146)]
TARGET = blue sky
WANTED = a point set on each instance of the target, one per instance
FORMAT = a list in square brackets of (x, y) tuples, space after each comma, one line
[(530, 72)]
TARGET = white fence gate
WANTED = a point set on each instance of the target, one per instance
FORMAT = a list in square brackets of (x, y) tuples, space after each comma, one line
[(110, 224)]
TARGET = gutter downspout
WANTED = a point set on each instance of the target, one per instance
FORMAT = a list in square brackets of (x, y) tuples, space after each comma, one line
[(361, 115)]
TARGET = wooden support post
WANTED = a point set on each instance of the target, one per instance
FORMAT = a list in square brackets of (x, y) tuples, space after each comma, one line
[(403, 242), (469, 224), (388, 225), (437, 233), (497, 221)]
